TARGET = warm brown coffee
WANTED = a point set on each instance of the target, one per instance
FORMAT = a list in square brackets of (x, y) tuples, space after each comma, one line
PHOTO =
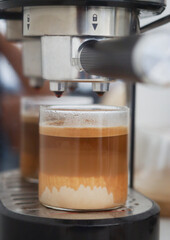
[(83, 168), (30, 106), (29, 158)]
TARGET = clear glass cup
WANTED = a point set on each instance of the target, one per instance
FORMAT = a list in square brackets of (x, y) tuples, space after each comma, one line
[(29, 152), (83, 157)]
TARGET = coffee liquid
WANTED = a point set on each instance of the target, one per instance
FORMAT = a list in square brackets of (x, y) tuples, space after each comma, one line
[(29, 158), (83, 168)]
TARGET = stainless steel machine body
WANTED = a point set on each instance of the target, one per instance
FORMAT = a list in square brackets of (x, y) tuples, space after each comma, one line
[(64, 30), (32, 66)]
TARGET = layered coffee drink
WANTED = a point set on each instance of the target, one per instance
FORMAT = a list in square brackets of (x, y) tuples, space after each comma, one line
[(29, 156), (83, 158)]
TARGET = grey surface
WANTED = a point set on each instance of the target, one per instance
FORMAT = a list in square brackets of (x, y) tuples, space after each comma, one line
[(22, 197), (78, 21), (165, 229)]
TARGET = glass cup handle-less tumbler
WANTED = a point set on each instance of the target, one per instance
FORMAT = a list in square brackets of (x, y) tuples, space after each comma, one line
[(83, 157)]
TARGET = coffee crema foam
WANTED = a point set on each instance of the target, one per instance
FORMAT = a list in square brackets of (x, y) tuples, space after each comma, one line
[(82, 132)]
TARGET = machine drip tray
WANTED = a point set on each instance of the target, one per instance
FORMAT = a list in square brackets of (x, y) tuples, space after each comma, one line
[(23, 217)]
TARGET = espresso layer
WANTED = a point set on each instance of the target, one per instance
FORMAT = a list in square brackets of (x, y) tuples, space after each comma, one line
[(66, 156)]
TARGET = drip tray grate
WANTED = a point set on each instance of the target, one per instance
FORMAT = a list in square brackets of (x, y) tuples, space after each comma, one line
[(21, 197)]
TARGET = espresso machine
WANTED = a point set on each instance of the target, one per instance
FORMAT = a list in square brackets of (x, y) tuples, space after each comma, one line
[(94, 41)]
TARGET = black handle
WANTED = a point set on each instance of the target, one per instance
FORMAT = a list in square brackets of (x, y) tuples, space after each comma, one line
[(110, 58)]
